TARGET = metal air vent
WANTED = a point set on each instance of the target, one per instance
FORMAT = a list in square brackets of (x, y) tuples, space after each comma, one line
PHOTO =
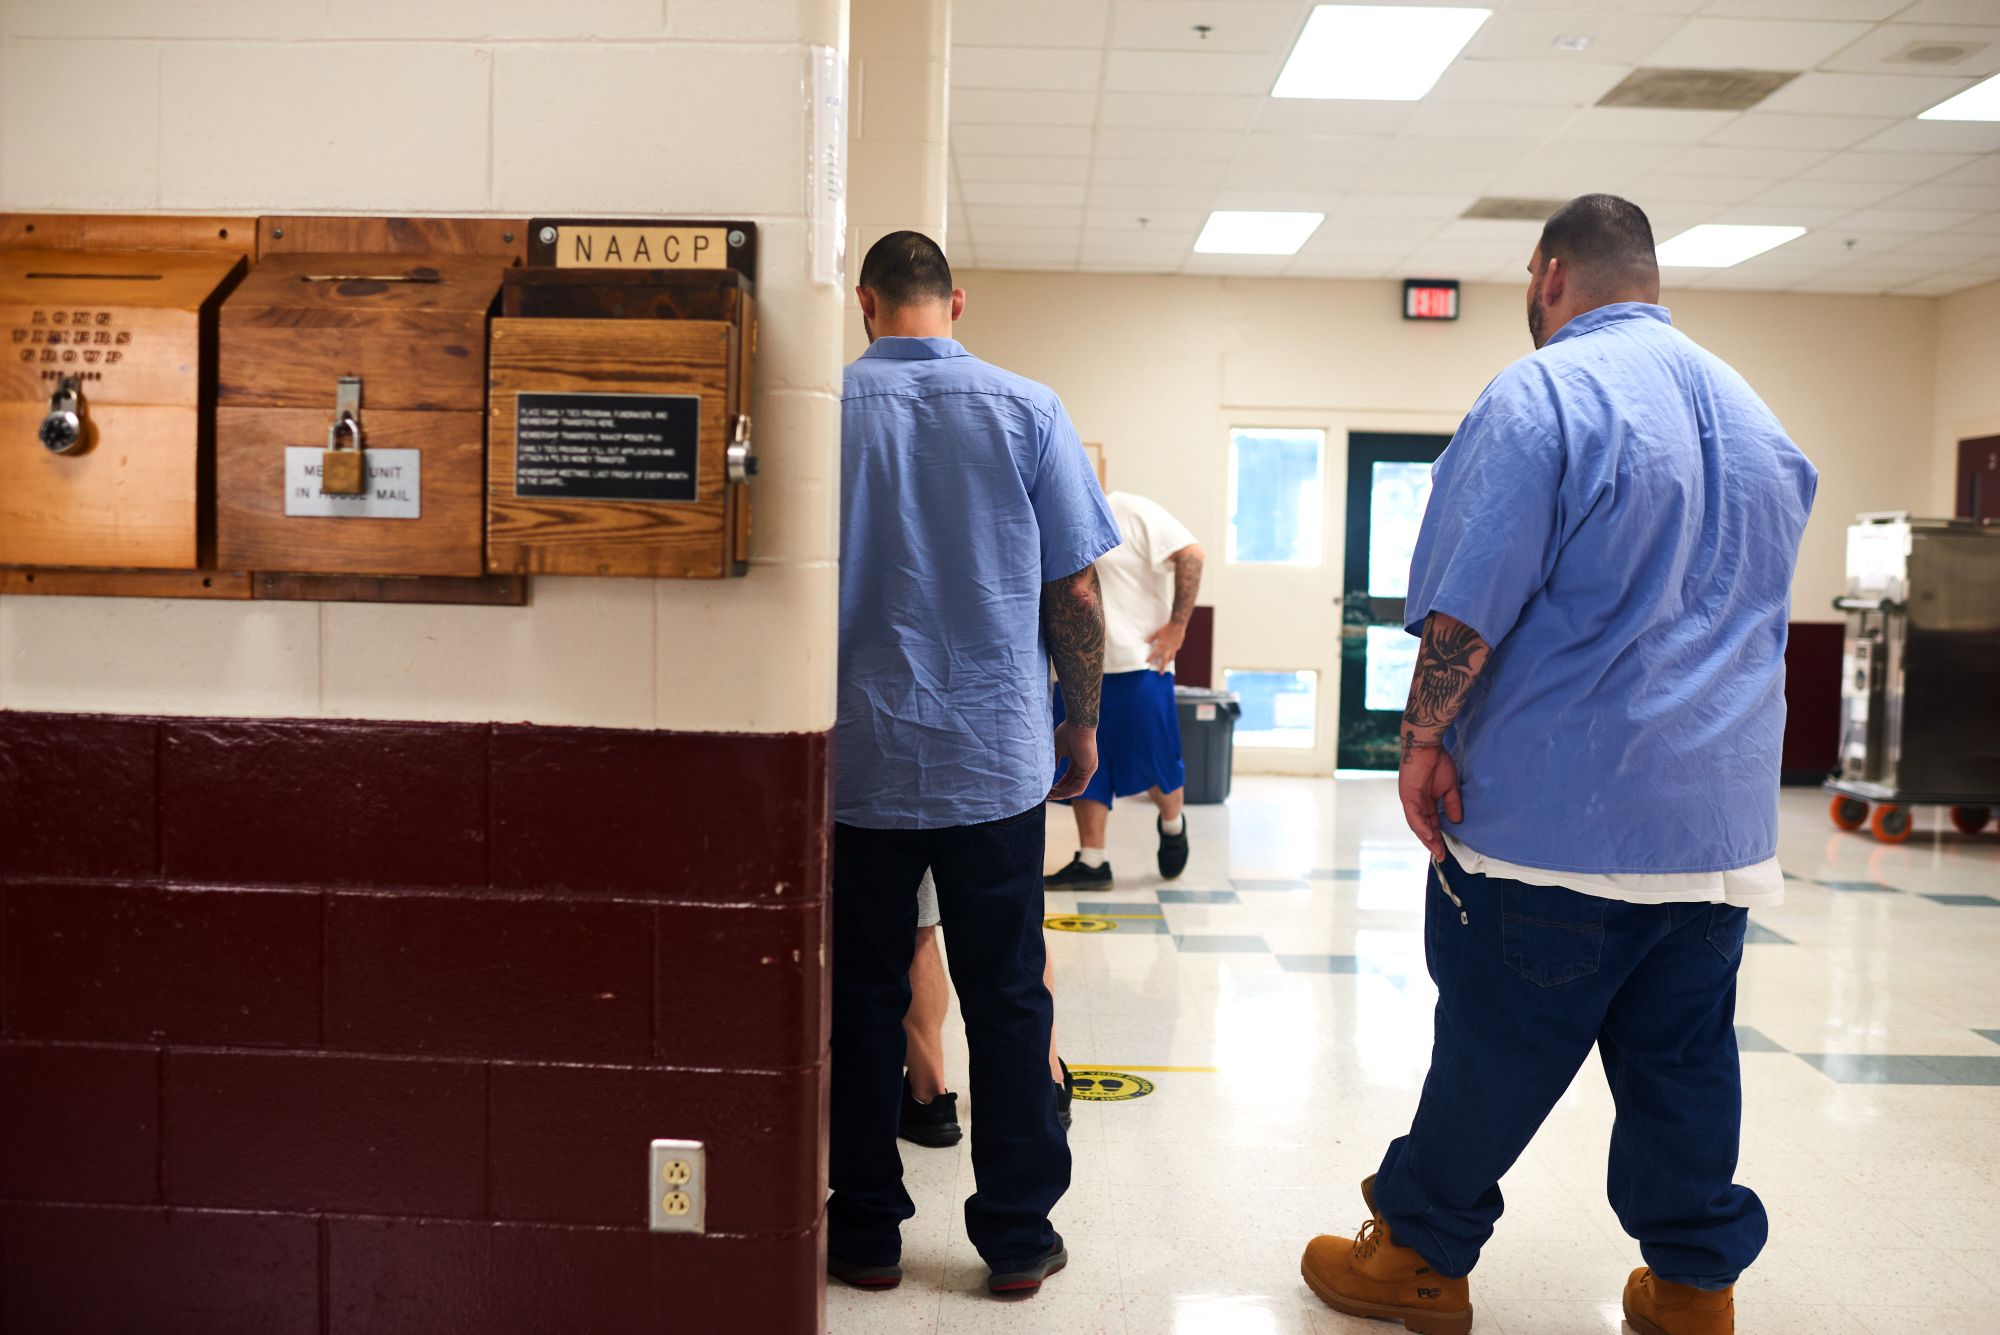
[(1697, 90), (1503, 209)]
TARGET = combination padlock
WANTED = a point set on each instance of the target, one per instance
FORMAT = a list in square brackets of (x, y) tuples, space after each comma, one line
[(62, 430), (344, 472)]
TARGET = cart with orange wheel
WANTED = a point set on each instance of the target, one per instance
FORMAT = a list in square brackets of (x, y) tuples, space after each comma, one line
[(1889, 815)]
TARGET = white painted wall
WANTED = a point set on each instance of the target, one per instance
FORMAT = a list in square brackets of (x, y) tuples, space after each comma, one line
[(1968, 382), (612, 107)]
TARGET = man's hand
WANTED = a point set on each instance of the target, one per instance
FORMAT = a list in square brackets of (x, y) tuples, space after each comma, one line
[(1428, 774), (1079, 747), (1166, 645)]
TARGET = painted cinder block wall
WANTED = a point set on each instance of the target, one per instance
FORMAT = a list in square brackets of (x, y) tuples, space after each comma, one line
[(350, 955)]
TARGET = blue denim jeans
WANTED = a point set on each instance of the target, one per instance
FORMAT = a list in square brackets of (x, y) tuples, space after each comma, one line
[(989, 884), (1528, 978)]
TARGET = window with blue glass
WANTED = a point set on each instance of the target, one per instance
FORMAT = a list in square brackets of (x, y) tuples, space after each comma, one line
[(1276, 496), (1279, 708)]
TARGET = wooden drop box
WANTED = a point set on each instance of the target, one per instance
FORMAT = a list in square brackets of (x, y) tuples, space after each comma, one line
[(620, 423), (411, 330), (104, 423)]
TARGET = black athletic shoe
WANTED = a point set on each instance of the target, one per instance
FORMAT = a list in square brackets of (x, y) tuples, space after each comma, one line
[(1079, 872), (1065, 1094), (933, 1124), (1173, 848), (864, 1276), (1024, 1281)]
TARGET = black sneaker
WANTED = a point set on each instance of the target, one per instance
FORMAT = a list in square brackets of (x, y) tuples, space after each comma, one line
[(864, 1276), (1065, 1094), (1024, 1281), (933, 1124), (1173, 848), (1079, 872)]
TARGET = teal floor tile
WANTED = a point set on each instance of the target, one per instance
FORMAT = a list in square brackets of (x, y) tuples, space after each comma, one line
[(1756, 935), (1199, 897), (1861, 887), (1222, 945), (1755, 1040), (1965, 901), (1319, 964), (1269, 885), (1334, 874), (1898, 1069)]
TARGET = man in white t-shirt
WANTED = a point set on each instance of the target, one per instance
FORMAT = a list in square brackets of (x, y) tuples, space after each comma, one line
[(1150, 581)]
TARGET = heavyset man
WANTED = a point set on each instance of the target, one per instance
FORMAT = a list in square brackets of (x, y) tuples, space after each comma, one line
[(970, 519), (1602, 584)]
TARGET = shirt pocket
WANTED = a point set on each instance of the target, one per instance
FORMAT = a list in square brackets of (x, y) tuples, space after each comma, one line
[(1551, 936), (1727, 926)]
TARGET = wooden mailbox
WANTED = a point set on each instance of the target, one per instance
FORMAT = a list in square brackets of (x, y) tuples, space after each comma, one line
[(103, 412), (619, 423), (319, 349)]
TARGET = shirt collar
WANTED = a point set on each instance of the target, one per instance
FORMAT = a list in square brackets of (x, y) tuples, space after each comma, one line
[(1615, 313), (915, 349)]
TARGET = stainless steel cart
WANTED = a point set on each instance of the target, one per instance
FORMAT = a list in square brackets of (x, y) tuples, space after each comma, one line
[(1920, 699)]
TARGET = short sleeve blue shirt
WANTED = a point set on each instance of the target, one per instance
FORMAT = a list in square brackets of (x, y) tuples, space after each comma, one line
[(963, 490), (1619, 517)]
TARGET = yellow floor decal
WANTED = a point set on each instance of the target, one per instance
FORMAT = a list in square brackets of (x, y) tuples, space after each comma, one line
[(1095, 922), (1110, 1086)]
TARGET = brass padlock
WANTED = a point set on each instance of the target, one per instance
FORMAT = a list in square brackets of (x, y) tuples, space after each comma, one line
[(344, 472)]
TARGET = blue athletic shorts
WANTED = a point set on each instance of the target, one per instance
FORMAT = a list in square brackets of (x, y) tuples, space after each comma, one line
[(1138, 736)]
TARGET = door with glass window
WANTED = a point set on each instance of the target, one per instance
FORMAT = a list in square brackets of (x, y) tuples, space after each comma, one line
[(1388, 486)]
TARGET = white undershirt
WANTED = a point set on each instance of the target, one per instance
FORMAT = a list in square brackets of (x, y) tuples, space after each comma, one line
[(1758, 886)]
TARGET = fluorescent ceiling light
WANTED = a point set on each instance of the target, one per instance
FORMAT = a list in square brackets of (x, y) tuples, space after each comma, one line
[(1720, 245), (1235, 233), (1981, 102), (1384, 53)]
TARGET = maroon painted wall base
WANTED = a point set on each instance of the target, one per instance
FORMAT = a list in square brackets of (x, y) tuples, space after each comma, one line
[(365, 1027)]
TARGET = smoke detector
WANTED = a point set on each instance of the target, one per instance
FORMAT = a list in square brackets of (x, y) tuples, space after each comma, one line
[(1934, 52)]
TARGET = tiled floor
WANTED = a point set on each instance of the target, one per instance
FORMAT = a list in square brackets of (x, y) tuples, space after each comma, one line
[(1296, 989)]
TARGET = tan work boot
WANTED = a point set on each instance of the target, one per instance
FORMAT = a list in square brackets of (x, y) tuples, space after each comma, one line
[(1656, 1306), (1371, 1276)]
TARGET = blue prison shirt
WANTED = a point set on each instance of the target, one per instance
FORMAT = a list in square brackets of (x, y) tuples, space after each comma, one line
[(963, 490), (1619, 517)]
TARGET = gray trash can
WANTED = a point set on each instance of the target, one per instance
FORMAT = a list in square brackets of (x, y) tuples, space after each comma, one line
[(1208, 740)]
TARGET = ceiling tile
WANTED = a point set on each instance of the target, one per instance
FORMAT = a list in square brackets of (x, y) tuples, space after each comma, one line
[(1905, 220), (1936, 137), (1644, 125), (1311, 116), (1763, 129), (1439, 206), (1447, 156), (1121, 141), (1866, 11), (1022, 140), (1256, 266), (1022, 195), (1395, 176), (1032, 261), (1324, 244), (1988, 225), (1977, 198), (1169, 25), (1154, 238), (1024, 68), (1759, 164), (1339, 266), (1486, 120), (1498, 232), (1168, 221), (1370, 227), (1960, 247), (1325, 178), (1157, 171), (1191, 72), (1149, 199), (1908, 168), (1780, 215), (1000, 215), (1984, 171), (1943, 285), (990, 106), (1116, 260), (1950, 11), (1277, 200), (1029, 238), (1523, 33), (1753, 44), (1863, 94), (1064, 171), (1714, 190), (1259, 146), (1875, 53), (1828, 194), (1172, 111), (1029, 23), (1617, 7), (1534, 82), (1560, 155)]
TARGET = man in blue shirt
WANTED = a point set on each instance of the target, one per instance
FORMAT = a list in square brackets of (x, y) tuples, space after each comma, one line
[(1602, 584), (970, 519)]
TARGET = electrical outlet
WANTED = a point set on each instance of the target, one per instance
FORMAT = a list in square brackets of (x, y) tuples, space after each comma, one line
[(677, 1186)]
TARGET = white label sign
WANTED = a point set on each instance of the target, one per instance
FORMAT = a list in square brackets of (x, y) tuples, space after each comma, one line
[(826, 173), (393, 490)]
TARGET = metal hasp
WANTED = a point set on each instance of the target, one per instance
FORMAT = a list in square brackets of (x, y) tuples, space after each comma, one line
[(1920, 711), (742, 458), (677, 1186), (342, 471), (62, 430)]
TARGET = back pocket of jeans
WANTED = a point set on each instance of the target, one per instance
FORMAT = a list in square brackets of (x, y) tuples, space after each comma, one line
[(1727, 926), (1551, 936)]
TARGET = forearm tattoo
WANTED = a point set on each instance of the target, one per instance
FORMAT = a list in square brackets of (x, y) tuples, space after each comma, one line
[(1187, 584), (1451, 657), (1073, 626)]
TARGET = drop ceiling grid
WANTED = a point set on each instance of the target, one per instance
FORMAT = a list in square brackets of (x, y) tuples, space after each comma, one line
[(1073, 120)]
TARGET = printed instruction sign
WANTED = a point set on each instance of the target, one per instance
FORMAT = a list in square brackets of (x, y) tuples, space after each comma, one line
[(607, 447)]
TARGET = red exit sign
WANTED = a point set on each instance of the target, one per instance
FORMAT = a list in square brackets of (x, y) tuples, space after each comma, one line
[(1430, 299)]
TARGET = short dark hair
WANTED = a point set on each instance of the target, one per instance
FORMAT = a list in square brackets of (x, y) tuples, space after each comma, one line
[(1602, 235), (906, 267)]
